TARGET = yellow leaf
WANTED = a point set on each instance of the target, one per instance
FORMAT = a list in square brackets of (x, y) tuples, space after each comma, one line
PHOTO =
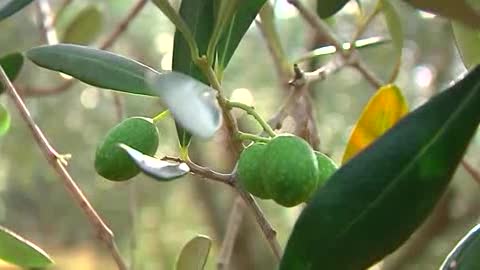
[(383, 110)]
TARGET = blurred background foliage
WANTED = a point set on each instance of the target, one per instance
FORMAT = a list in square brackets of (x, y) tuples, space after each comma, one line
[(153, 220)]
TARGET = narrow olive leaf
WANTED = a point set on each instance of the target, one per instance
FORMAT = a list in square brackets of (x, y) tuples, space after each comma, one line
[(236, 29), (466, 254), (4, 120), (374, 202), (382, 111), (194, 254), (11, 64), (158, 169), (459, 10), (394, 25), (95, 67), (360, 43), (85, 27), (468, 44), (16, 250), (12, 7), (192, 103), (199, 17), (327, 8)]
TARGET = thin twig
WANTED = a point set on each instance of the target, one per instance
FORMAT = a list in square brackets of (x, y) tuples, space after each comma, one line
[(318, 24), (46, 22), (123, 25), (471, 170), (109, 41), (366, 73), (230, 180), (267, 229), (56, 161), (233, 226), (351, 58)]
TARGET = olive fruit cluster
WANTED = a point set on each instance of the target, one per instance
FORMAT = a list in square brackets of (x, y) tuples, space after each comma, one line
[(286, 169), (111, 161)]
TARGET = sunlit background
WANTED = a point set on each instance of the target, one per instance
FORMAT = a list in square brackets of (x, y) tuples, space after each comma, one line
[(153, 220)]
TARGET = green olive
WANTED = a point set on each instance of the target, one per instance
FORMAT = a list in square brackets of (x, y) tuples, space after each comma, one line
[(248, 170), (111, 161), (290, 170)]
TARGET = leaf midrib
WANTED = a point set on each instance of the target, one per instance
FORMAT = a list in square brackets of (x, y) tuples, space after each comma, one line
[(101, 63), (422, 150)]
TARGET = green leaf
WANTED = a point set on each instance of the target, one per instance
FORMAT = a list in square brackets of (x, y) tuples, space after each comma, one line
[(158, 169), (11, 64), (95, 67), (394, 25), (236, 29), (4, 120), (459, 10), (468, 44), (192, 103), (85, 27), (199, 17), (194, 254), (465, 256), (14, 249), (374, 202), (327, 8), (12, 7)]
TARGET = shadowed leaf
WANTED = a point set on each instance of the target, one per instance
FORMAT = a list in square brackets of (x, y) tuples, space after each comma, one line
[(11, 64), (194, 254), (199, 17), (327, 8), (468, 44), (85, 27), (12, 7), (374, 202), (459, 10)]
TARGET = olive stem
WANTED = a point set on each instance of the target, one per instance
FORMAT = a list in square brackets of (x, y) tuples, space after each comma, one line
[(251, 111), (55, 160), (160, 116), (251, 137)]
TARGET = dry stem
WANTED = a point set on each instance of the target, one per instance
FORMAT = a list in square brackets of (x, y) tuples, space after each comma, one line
[(56, 161)]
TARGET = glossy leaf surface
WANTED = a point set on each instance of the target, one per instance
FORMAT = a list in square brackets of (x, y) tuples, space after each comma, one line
[(95, 67), (374, 202), (382, 111)]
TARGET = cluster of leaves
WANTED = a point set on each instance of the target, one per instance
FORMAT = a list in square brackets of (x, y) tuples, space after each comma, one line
[(402, 169)]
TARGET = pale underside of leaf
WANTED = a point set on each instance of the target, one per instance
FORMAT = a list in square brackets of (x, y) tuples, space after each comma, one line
[(192, 103), (156, 168)]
